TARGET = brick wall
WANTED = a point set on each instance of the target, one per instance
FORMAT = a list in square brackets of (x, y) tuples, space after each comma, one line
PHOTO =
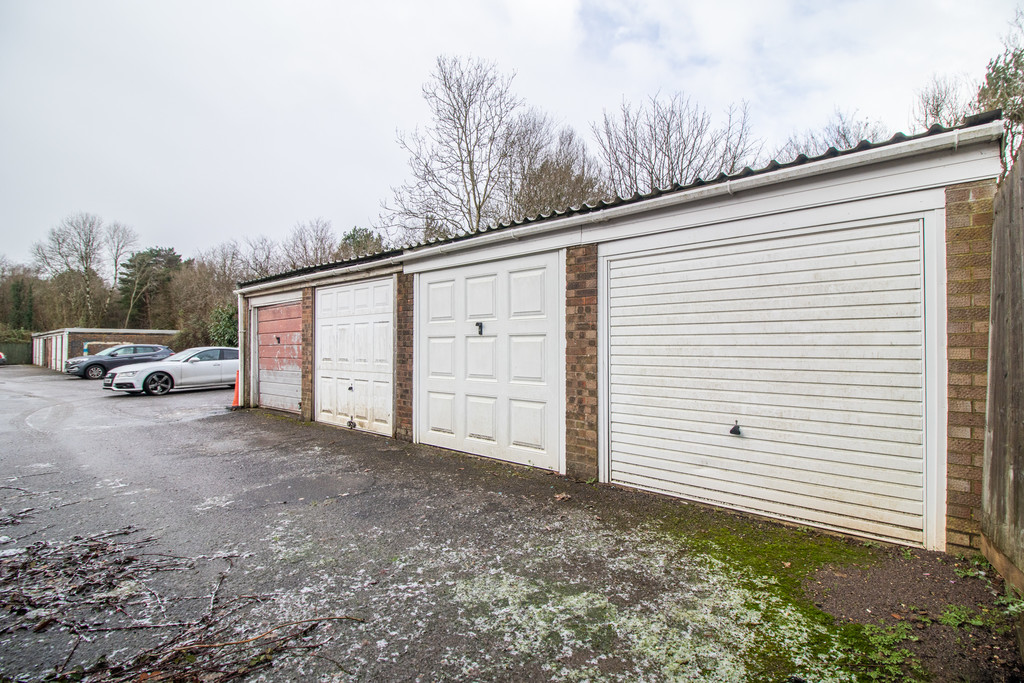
[(308, 376), (581, 362), (405, 298), (968, 273)]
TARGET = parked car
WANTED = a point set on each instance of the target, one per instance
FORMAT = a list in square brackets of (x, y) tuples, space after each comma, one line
[(98, 365), (204, 366), (3, 358)]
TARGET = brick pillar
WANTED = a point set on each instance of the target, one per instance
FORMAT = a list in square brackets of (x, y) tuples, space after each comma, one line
[(308, 376), (581, 362), (968, 284), (404, 297)]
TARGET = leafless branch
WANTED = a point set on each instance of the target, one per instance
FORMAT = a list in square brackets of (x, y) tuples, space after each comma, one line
[(843, 130), (671, 139)]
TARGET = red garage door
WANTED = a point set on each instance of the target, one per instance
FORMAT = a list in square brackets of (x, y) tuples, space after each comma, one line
[(279, 355)]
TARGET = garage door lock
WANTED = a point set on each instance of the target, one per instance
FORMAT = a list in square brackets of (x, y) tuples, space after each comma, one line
[(735, 428)]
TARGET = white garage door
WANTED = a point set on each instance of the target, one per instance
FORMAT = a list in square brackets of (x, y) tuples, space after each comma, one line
[(812, 343), (354, 355), (490, 354)]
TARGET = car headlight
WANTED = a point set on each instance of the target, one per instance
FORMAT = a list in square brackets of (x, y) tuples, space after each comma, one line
[(74, 362), (130, 373)]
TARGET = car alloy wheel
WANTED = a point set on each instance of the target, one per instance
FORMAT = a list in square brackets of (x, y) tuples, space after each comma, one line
[(95, 372), (158, 384)]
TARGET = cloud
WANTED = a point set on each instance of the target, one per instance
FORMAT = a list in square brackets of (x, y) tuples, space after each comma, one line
[(198, 122)]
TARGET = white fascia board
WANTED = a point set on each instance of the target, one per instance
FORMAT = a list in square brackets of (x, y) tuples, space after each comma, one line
[(669, 231), (956, 157), (341, 274)]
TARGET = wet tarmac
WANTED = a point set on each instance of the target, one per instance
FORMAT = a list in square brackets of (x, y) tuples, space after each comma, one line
[(459, 568)]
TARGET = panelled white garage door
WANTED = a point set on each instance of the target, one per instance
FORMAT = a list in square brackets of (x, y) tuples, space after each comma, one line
[(812, 343), (489, 359), (354, 355)]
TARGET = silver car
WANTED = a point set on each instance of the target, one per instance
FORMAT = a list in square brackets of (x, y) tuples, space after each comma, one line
[(203, 366)]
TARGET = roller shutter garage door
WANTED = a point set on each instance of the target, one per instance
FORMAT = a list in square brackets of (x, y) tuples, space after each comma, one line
[(279, 356), (354, 355), (489, 359), (812, 343)]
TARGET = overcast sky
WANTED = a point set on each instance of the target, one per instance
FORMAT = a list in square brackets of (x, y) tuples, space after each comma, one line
[(196, 122)]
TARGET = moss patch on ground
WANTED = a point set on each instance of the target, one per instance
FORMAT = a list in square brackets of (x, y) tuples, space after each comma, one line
[(777, 559), (715, 598)]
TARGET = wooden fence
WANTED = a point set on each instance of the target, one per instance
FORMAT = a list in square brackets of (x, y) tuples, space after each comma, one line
[(1002, 521), (18, 353)]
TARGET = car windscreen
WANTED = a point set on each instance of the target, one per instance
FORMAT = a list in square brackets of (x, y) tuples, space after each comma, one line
[(181, 356), (108, 351)]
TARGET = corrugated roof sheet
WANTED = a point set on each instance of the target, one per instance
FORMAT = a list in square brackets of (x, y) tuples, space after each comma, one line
[(772, 166)]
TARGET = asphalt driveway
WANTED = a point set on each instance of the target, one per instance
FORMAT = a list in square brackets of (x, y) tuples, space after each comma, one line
[(248, 544)]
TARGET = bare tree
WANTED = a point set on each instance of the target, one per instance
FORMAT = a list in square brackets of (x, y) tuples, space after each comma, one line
[(310, 244), (945, 100), (737, 145), (197, 289), (119, 240), (73, 251), (259, 257), (529, 139), (670, 140), (559, 175), (842, 131), (224, 262), (459, 162)]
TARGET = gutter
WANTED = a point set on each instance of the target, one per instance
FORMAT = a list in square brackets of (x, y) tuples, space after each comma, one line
[(321, 274), (953, 140)]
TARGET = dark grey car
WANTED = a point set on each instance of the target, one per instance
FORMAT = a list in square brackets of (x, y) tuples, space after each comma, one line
[(98, 365)]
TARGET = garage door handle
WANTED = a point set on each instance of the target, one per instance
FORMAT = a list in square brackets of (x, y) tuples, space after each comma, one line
[(735, 429), (351, 388), (479, 328)]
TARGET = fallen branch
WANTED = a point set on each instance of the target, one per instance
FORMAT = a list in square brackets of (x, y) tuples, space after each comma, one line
[(267, 633), (36, 474), (100, 584)]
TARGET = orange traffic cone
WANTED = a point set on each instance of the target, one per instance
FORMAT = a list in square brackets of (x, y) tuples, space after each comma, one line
[(234, 403)]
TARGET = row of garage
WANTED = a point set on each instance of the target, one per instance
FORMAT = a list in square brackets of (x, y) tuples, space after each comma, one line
[(773, 343), (52, 349)]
